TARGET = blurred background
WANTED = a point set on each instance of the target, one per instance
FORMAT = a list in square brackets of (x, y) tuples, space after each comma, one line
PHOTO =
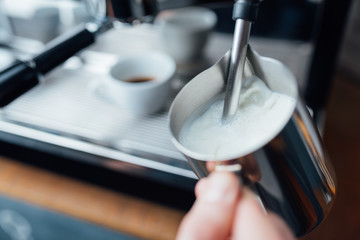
[(73, 166)]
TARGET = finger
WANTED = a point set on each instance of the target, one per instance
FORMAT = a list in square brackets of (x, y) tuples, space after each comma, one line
[(213, 211), (252, 223), (201, 186), (280, 226)]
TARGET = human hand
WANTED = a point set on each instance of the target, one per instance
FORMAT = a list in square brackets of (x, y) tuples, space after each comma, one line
[(224, 209)]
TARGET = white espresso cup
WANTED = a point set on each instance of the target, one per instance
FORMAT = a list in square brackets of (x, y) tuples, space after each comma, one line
[(140, 83), (185, 31)]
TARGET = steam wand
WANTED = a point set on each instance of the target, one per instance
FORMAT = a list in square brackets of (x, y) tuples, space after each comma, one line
[(244, 12), (21, 76)]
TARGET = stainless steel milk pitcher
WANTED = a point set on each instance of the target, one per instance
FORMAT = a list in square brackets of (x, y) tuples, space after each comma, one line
[(291, 174)]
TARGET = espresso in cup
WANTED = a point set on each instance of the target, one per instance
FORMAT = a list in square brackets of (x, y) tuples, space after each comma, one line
[(140, 83), (139, 79)]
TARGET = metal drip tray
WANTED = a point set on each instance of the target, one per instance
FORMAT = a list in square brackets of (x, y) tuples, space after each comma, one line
[(68, 115), (66, 111)]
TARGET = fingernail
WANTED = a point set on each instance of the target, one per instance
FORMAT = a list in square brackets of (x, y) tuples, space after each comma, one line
[(222, 187)]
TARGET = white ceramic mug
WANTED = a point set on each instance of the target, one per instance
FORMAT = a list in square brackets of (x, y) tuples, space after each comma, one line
[(185, 31), (141, 83)]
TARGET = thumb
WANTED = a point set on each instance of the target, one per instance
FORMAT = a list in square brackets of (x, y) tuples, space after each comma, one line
[(252, 223), (212, 214)]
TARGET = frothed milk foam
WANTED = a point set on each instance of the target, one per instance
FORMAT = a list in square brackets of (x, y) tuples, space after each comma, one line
[(261, 114)]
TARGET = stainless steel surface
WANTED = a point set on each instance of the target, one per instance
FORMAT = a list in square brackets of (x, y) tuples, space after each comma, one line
[(291, 174), (236, 68), (65, 111)]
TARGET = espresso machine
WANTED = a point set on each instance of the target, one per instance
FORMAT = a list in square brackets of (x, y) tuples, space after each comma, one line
[(152, 156)]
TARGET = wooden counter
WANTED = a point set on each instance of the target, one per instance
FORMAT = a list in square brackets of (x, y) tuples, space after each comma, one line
[(87, 202)]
